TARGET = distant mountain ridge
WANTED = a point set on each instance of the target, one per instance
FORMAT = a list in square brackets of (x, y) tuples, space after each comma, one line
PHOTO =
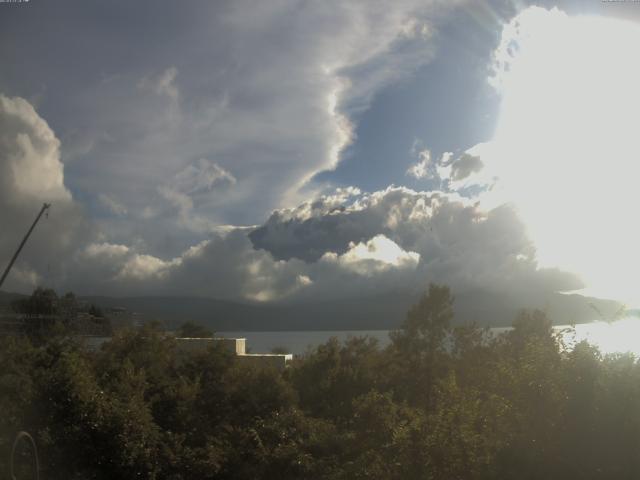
[(381, 312)]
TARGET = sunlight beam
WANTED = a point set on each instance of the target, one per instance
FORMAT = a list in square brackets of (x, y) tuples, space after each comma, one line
[(565, 149)]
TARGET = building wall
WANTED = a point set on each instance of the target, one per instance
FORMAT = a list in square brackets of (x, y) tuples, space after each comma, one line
[(276, 360), (233, 345)]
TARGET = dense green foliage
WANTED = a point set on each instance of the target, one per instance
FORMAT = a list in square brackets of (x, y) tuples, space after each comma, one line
[(193, 330), (45, 314), (438, 403)]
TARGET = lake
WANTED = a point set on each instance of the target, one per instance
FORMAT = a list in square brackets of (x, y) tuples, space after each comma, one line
[(619, 336)]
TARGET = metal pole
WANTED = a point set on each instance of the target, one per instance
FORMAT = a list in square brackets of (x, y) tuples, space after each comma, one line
[(45, 206)]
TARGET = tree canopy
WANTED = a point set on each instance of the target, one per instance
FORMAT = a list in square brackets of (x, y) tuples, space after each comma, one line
[(193, 330), (440, 402)]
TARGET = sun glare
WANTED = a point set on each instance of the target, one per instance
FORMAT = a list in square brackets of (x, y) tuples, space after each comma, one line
[(565, 148)]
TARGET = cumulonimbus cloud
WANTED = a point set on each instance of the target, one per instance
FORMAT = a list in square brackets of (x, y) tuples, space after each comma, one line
[(344, 243), (31, 174), (284, 130)]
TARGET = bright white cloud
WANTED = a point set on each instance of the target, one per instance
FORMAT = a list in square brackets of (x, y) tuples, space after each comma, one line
[(142, 267), (452, 172), (108, 250), (376, 255), (31, 167), (420, 169), (31, 173)]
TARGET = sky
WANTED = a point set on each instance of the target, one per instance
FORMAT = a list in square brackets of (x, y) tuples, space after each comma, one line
[(294, 150)]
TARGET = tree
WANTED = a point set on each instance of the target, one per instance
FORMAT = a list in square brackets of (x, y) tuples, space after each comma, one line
[(42, 302), (193, 330), (329, 378), (40, 313), (419, 347), (280, 350), (429, 321), (438, 403), (95, 311)]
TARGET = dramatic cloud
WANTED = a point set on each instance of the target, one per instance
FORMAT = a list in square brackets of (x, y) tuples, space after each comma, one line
[(189, 158), (268, 92), (449, 238), (348, 243), (30, 174)]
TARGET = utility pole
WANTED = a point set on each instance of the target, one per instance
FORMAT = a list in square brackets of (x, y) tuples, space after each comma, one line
[(45, 207)]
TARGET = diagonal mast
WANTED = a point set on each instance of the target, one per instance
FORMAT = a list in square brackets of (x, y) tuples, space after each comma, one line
[(45, 206)]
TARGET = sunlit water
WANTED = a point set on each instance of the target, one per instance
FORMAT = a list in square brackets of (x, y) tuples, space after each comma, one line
[(619, 336)]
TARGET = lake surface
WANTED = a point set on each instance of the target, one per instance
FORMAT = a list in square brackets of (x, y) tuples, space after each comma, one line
[(620, 336)]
